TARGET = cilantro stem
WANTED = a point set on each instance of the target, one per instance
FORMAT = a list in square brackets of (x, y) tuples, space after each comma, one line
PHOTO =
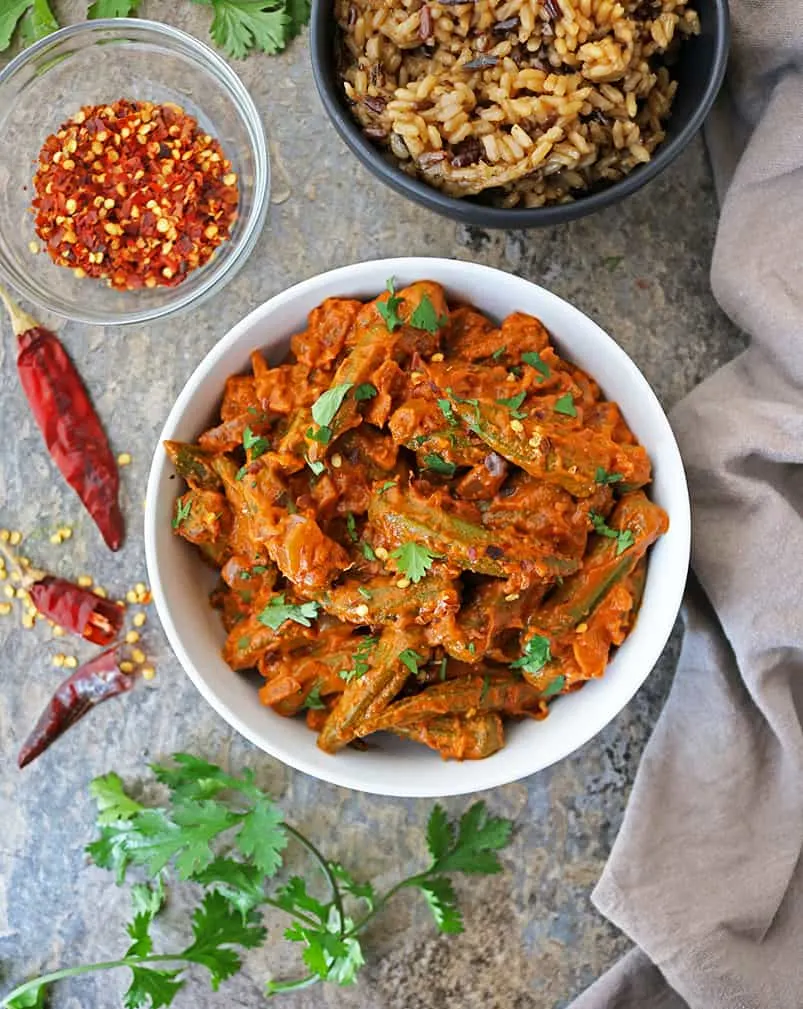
[(278, 987), (88, 968), (294, 914), (330, 876), (383, 900)]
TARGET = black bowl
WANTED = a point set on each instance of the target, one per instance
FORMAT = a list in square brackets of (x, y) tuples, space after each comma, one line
[(699, 73)]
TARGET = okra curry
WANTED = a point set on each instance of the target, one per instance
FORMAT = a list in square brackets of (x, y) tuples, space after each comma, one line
[(425, 523)]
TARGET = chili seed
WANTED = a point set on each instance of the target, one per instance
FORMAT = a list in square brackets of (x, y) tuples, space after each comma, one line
[(131, 638), (512, 597), (131, 596), (124, 459), (403, 583), (5, 609), (139, 620), (70, 662), (148, 672), (84, 581), (381, 553), (436, 358), (581, 628), (15, 538), (58, 632), (101, 592), (58, 660), (126, 667), (138, 655), (337, 460), (361, 610), (517, 426), (9, 591), (27, 621)]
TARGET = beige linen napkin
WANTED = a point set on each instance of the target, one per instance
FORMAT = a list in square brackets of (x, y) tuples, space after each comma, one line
[(706, 875)]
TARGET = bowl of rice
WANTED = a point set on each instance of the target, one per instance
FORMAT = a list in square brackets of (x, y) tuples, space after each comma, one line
[(518, 113)]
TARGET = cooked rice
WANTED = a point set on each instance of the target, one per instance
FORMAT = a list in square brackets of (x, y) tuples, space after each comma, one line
[(535, 99)]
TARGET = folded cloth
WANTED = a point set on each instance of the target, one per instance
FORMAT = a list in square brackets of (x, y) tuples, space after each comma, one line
[(706, 874)]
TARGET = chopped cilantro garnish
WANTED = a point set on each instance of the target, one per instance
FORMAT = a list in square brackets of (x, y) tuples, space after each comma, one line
[(367, 551), (514, 402), (365, 390), (315, 465), (313, 700), (602, 476), (411, 659), (439, 465), (425, 316), (498, 352), (624, 537), (555, 686), (448, 411), (389, 309), (536, 655), (254, 444), (413, 560), (183, 509), (328, 403), (442, 670), (565, 405), (486, 684), (365, 593), (361, 660), (259, 569), (241, 472), (351, 527), (322, 435), (386, 486), (534, 359), (278, 611)]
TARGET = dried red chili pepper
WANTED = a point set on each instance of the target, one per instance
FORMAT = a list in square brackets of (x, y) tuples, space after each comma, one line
[(94, 682), (73, 608), (72, 430)]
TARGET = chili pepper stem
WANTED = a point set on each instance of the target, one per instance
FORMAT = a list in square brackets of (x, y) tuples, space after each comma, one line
[(20, 320), (28, 576)]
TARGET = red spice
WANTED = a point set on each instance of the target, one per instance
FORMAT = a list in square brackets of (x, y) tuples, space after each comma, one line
[(133, 193)]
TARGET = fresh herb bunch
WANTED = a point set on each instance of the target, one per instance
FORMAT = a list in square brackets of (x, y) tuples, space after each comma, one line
[(239, 27), (225, 834)]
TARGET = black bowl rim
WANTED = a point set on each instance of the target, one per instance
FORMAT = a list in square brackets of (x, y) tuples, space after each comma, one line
[(464, 210)]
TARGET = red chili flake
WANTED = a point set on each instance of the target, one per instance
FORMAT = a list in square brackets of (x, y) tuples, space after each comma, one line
[(133, 193)]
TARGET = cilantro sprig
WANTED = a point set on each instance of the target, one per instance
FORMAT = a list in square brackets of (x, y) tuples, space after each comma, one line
[(239, 27), (389, 310), (535, 656), (224, 834), (278, 611)]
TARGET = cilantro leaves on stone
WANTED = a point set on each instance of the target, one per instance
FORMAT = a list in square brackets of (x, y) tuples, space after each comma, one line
[(224, 835)]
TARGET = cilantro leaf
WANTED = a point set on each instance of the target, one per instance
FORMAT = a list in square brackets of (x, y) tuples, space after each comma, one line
[(277, 612), (439, 465), (478, 837), (365, 390), (367, 551), (325, 407), (362, 660), (183, 509), (241, 884), (293, 895), (240, 26), (113, 804), (555, 686), (328, 954), (498, 352), (602, 476), (34, 998), (113, 9), (425, 317), (151, 988), (322, 435), (216, 926), (411, 659), (624, 537), (440, 896), (448, 411), (514, 402), (389, 309), (192, 777), (413, 560), (298, 12), (351, 527), (362, 891), (262, 837), (365, 593), (313, 702), (386, 486), (256, 445), (315, 465), (534, 359), (565, 405), (536, 655), (8, 20), (38, 23), (440, 833)]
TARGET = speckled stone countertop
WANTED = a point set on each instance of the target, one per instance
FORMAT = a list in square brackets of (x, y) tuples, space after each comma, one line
[(533, 940)]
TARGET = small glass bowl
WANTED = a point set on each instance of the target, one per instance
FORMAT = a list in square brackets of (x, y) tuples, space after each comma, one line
[(99, 62)]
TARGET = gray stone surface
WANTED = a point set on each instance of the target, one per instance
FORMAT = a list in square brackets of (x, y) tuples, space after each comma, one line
[(533, 939)]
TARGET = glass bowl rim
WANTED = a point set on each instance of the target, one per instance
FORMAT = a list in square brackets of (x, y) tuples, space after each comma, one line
[(211, 63)]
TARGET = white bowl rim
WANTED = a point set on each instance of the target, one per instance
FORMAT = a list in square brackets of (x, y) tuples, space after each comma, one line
[(477, 775)]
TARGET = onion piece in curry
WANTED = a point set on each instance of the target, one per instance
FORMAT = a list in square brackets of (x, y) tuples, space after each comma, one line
[(424, 523)]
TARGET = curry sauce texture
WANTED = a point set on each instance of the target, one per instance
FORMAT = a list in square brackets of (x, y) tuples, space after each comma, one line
[(425, 523)]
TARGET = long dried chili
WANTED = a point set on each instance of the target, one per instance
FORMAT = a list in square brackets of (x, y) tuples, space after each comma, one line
[(94, 682), (77, 610), (72, 430)]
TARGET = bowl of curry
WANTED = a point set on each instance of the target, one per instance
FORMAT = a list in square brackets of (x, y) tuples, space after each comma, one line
[(417, 527)]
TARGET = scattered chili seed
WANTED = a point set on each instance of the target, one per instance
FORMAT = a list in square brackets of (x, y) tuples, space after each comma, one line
[(9, 591), (56, 539), (15, 538), (124, 459), (5, 609), (70, 662), (382, 553), (126, 667), (138, 655), (5, 535), (131, 596), (101, 592), (517, 426), (132, 638), (58, 660), (111, 175), (84, 581), (139, 619), (436, 358), (403, 583), (148, 672), (337, 460), (58, 632)]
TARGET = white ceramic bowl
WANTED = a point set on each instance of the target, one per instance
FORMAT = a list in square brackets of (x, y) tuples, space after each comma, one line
[(181, 582)]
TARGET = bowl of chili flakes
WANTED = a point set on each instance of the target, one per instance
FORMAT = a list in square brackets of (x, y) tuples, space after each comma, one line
[(182, 580), (160, 76)]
